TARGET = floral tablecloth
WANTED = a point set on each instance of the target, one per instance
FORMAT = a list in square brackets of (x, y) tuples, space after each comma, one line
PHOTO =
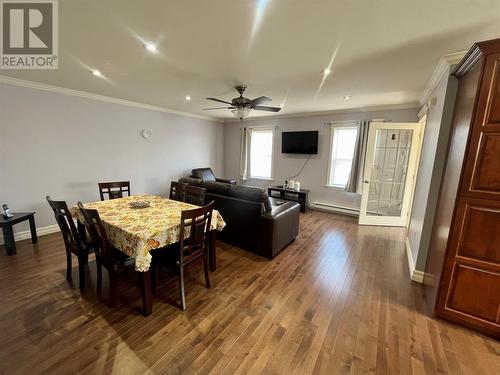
[(137, 231)]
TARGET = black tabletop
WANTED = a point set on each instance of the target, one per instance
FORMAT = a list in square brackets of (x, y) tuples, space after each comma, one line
[(281, 188), (18, 216)]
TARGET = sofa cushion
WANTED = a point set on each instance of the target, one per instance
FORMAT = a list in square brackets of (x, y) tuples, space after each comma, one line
[(251, 193), (214, 187), (205, 174), (191, 181)]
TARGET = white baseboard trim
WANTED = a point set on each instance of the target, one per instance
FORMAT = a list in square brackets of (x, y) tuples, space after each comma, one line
[(26, 234), (334, 208), (415, 275)]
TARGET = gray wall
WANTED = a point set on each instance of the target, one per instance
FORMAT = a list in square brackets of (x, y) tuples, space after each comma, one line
[(434, 148), (63, 145), (315, 173)]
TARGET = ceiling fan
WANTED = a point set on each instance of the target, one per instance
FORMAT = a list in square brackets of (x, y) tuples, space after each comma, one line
[(241, 106)]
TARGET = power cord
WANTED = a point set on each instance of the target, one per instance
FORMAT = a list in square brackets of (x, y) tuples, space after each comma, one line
[(301, 169)]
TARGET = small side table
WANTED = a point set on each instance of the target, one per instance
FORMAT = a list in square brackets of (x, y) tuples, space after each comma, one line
[(301, 196), (8, 233)]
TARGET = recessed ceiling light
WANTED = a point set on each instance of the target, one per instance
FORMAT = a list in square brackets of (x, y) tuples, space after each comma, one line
[(347, 97), (96, 73), (188, 98), (326, 71), (151, 47)]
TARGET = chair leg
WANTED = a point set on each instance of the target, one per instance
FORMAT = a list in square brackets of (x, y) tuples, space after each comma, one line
[(69, 266), (112, 288), (99, 275), (182, 291), (81, 272), (207, 276), (85, 258), (153, 277)]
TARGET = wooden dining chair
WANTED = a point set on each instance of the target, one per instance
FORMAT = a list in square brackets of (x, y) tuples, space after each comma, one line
[(177, 191), (114, 189), (74, 242), (194, 234), (194, 195), (106, 255)]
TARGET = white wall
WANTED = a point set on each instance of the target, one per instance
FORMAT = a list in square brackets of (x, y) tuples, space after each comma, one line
[(62, 145), (434, 148), (315, 173)]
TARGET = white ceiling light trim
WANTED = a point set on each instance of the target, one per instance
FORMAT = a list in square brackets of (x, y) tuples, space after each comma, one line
[(151, 47), (102, 98)]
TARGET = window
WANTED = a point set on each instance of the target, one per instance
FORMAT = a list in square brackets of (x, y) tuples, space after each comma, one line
[(261, 153), (343, 143)]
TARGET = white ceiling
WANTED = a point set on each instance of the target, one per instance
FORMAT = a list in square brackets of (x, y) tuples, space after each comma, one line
[(383, 52)]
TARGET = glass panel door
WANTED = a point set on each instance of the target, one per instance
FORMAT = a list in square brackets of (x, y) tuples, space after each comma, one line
[(388, 168)]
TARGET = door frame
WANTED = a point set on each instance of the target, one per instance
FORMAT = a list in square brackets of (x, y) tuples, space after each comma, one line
[(400, 221)]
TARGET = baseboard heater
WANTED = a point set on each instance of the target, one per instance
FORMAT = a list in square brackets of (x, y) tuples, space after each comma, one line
[(334, 208)]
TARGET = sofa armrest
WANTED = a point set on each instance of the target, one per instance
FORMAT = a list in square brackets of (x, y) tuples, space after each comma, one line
[(191, 181), (282, 209), (232, 182), (280, 226)]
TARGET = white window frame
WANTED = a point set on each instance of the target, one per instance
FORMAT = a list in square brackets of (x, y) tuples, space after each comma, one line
[(257, 129), (333, 126)]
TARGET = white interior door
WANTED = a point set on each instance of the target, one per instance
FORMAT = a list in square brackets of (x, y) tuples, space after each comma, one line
[(390, 164)]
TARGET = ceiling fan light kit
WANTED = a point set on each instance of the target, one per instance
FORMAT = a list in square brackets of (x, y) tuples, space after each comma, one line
[(241, 106), (241, 113)]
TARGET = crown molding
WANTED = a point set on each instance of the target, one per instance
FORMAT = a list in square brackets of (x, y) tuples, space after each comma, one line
[(468, 61), (389, 107), (441, 68), (88, 95)]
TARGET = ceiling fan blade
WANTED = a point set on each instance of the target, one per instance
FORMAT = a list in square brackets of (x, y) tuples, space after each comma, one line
[(208, 109), (260, 100), (218, 100), (268, 109)]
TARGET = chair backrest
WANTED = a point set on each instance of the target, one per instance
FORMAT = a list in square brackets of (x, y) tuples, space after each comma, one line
[(205, 174), (114, 189), (93, 224), (66, 224), (195, 224), (177, 191), (194, 195)]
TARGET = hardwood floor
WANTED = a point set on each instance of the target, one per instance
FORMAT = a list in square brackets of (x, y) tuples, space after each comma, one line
[(338, 300)]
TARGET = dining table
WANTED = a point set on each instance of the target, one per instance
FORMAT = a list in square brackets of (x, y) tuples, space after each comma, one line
[(137, 231)]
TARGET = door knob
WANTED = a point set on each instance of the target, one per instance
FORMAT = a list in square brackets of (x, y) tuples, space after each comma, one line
[(366, 181)]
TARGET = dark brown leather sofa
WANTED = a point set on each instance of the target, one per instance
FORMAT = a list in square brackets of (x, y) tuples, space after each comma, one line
[(206, 174), (254, 221)]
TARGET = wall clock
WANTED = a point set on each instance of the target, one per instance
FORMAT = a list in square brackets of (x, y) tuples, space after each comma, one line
[(146, 133)]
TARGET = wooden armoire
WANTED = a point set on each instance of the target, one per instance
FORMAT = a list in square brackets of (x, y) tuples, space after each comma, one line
[(462, 279)]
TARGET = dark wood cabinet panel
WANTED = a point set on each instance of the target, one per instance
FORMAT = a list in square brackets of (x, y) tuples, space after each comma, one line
[(480, 233), (486, 173), (482, 169), (469, 287), (470, 293), (493, 116)]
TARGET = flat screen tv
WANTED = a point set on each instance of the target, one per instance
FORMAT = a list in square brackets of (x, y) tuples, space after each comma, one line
[(299, 142)]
